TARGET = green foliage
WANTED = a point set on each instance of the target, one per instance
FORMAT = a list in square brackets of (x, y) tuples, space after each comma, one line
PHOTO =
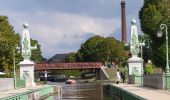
[(8, 39), (88, 51), (152, 14), (36, 54), (70, 57), (101, 49), (149, 68), (146, 49)]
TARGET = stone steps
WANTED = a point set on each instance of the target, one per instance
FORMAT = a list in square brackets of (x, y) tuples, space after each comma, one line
[(111, 72)]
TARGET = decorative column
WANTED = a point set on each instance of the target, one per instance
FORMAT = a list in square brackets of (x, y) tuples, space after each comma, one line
[(135, 63), (123, 14), (27, 66)]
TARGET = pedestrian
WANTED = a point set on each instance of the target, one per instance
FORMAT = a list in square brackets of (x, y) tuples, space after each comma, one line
[(122, 74), (118, 77)]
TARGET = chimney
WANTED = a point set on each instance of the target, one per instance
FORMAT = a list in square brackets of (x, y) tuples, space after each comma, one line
[(123, 15)]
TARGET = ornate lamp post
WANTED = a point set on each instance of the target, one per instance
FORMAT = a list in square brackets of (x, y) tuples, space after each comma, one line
[(14, 49), (159, 34)]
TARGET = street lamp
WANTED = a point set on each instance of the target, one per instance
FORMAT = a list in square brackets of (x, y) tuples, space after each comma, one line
[(15, 48), (141, 45), (14, 68), (159, 34)]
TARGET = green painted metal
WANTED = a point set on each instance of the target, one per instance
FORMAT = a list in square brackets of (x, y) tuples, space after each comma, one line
[(138, 80), (120, 94), (45, 91), (20, 83), (25, 95), (166, 81), (21, 96)]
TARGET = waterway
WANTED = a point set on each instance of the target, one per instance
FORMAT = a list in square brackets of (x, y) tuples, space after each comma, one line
[(80, 91)]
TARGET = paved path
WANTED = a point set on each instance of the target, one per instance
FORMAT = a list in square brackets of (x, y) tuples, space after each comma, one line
[(21, 90), (147, 93)]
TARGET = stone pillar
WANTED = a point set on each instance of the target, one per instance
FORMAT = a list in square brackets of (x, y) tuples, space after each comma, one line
[(123, 14), (135, 66), (27, 66), (27, 72), (135, 70), (98, 74), (135, 63)]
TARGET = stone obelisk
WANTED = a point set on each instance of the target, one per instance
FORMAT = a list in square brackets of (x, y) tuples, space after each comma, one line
[(123, 15), (27, 66), (135, 62)]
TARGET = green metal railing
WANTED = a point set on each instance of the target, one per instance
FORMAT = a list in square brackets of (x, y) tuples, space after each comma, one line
[(138, 80), (21, 96), (166, 81), (25, 95), (120, 94), (45, 91), (20, 83)]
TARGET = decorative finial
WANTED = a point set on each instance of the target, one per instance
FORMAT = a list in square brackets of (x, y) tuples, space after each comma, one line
[(25, 25), (133, 22)]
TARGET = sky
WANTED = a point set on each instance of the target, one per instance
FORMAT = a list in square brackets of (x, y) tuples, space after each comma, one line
[(61, 26)]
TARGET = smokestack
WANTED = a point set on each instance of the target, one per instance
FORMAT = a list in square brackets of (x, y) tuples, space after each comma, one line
[(123, 15)]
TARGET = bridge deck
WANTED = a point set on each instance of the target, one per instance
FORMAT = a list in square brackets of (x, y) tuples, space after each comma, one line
[(147, 93), (56, 66)]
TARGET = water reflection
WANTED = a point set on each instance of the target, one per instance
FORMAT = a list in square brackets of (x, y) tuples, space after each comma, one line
[(80, 91)]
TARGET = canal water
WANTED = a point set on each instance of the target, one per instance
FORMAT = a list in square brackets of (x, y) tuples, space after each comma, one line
[(80, 91)]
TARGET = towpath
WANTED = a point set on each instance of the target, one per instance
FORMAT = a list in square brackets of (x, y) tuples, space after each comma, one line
[(145, 92)]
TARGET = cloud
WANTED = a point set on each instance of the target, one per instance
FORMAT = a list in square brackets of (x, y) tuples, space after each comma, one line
[(63, 25), (62, 32)]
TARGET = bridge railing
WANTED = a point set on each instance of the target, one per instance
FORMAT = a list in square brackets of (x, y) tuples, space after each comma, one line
[(79, 65)]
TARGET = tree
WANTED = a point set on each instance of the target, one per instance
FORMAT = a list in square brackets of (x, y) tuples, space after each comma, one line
[(88, 50), (152, 14), (110, 50), (70, 57), (36, 54), (102, 49), (8, 39), (146, 49)]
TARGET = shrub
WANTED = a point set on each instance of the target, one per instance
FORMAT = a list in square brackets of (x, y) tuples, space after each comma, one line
[(149, 68)]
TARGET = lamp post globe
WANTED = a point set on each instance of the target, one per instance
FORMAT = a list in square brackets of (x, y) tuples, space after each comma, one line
[(159, 34)]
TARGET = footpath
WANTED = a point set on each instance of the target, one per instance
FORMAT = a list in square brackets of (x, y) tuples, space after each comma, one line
[(145, 92), (20, 91)]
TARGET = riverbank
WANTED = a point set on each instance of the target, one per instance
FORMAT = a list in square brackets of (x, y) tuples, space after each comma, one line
[(31, 93)]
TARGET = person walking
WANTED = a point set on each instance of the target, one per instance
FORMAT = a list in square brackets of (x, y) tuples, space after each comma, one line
[(118, 77), (122, 74)]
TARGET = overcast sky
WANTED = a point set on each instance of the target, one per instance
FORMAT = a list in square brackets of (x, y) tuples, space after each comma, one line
[(61, 26)]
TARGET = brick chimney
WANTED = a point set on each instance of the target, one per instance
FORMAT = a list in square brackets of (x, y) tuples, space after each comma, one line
[(123, 15)]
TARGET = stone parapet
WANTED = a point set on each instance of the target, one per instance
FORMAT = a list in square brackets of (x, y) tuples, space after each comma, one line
[(154, 80), (6, 84)]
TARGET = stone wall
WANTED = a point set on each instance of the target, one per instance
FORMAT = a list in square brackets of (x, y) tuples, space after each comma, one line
[(154, 80), (131, 79), (6, 84)]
